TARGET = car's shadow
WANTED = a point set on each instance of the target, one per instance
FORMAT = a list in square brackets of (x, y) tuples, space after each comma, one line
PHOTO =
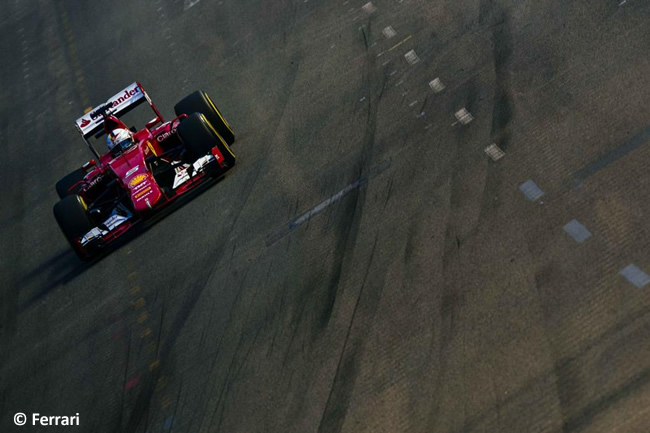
[(64, 267), (59, 269)]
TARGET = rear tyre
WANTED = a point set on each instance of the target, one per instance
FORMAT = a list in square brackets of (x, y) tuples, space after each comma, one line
[(199, 137), (200, 102), (74, 221), (63, 186)]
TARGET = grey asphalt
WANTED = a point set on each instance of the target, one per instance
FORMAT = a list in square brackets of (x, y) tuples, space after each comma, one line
[(366, 267)]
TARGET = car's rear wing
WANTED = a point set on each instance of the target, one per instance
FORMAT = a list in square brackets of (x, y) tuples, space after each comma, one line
[(119, 104)]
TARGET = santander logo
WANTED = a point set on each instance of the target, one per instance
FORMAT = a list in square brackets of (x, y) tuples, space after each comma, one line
[(114, 105), (128, 94)]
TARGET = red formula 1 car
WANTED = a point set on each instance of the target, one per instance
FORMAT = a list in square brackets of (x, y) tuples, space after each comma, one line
[(143, 171)]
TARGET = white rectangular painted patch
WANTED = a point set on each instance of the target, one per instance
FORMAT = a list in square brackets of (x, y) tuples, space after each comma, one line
[(636, 276), (189, 3), (464, 116), (369, 8), (323, 205), (389, 32), (436, 85), (531, 190), (577, 231), (494, 152), (411, 57)]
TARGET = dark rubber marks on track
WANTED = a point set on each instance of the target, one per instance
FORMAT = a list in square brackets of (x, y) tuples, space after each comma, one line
[(607, 159)]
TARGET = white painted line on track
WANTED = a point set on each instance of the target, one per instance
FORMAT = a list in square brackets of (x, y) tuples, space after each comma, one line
[(189, 3), (325, 204), (413, 103), (305, 217), (400, 43)]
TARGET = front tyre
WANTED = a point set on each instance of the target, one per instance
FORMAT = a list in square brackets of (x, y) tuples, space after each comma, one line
[(199, 137), (63, 186), (74, 221), (200, 102)]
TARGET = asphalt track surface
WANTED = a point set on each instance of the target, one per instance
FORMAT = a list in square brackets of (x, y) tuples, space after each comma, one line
[(366, 267)]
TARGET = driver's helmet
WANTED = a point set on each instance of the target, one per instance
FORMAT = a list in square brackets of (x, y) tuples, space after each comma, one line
[(121, 137)]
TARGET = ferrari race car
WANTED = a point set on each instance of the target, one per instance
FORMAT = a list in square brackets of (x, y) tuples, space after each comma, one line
[(143, 171)]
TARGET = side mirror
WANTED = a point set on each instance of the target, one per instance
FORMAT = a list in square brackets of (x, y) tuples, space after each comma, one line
[(89, 164), (150, 124)]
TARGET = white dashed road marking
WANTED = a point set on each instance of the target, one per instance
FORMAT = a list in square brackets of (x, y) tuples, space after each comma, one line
[(464, 116), (389, 32), (411, 57), (531, 190), (636, 276), (436, 85), (494, 152), (577, 231), (369, 8)]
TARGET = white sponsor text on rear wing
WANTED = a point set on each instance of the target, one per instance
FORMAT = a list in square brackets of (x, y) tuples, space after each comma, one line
[(92, 122)]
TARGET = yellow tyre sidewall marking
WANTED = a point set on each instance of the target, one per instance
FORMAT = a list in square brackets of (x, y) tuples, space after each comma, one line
[(217, 134), (218, 113)]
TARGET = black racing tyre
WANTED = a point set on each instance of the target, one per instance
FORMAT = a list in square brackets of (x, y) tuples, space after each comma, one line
[(73, 219), (199, 137), (200, 102), (63, 186)]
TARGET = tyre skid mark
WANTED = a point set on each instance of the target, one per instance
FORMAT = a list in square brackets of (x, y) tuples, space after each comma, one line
[(334, 406)]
